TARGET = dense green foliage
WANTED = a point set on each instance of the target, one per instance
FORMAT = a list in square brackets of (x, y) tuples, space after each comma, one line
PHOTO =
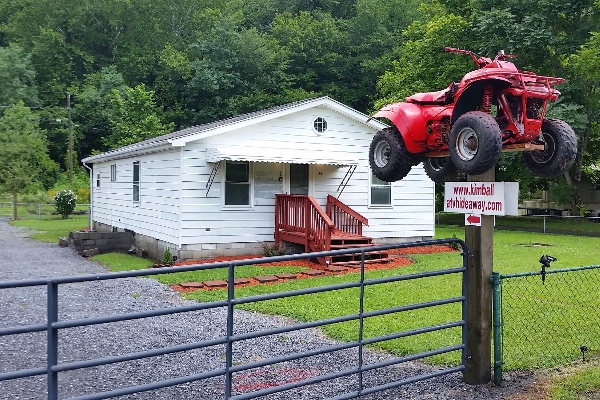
[(137, 69)]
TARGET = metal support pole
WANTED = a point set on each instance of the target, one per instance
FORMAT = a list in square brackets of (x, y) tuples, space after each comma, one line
[(544, 224), (361, 309), (52, 351), (229, 344), (480, 242), (496, 282)]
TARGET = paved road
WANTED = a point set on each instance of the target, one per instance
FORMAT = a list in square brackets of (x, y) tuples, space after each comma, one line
[(23, 258)]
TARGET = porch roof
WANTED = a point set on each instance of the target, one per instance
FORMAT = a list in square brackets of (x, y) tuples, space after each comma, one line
[(285, 156)]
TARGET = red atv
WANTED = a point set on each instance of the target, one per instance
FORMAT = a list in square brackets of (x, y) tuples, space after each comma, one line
[(464, 127)]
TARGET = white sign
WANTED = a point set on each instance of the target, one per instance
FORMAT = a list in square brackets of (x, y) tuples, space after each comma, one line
[(473, 219), (489, 198)]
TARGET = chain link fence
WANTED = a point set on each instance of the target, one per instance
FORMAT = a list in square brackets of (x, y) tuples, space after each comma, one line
[(37, 211), (546, 318)]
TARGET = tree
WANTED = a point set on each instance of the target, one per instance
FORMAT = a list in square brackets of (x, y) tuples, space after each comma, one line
[(17, 77), (423, 65), (92, 109), (23, 153), (317, 49), (134, 117)]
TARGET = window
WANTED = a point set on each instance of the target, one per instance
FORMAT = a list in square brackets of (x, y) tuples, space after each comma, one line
[(136, 181), (320, 125), (237, 183), (113, 172), (381, 192), (97, 180)]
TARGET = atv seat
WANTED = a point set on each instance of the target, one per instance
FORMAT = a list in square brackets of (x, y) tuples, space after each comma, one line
[(440, 98)]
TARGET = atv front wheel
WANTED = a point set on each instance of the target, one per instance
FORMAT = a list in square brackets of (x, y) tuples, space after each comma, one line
[(560, 150), (388, 157), (440, 169), (475, 142)]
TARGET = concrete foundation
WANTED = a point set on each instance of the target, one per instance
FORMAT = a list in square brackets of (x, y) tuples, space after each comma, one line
[(155, 248)]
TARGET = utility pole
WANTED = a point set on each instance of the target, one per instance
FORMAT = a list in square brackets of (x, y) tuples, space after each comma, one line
[(70, 124)]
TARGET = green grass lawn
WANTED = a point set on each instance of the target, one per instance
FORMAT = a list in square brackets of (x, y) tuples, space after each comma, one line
[(35, 211), (514, 252), (116, 262), (54, 227), (553, 224), (581, 383)]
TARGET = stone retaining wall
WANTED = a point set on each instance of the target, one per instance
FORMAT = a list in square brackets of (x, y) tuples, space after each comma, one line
[(105, 242)]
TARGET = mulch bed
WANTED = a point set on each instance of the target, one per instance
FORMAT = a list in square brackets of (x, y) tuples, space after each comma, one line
[(400, 258)]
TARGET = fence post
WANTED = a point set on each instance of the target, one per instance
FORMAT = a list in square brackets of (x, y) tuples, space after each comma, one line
[(496, 282), (52, 340), (229, 333)]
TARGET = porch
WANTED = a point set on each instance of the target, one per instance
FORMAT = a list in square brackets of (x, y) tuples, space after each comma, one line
[(300, 219)]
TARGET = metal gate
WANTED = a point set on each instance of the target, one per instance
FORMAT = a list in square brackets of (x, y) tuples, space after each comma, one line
[(230, 370)]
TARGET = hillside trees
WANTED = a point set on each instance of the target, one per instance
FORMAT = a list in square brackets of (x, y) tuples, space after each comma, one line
[(134, 117), (17, 77), (196, 61), (24, 161)]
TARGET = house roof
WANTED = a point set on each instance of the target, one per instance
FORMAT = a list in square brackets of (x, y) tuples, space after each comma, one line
[(181, 137)]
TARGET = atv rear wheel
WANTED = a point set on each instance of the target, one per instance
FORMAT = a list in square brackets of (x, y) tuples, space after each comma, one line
[(475, 142), (388, 157), (560, 150), (440, 169)]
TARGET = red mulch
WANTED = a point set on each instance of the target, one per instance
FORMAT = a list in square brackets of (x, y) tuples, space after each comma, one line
[(400, 258)]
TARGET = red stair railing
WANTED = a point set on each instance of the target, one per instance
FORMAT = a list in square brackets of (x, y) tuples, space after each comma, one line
[(344, 218), (300, 219)]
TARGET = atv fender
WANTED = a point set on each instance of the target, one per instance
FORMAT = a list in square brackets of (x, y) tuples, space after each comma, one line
[(469, 98), (411, 122)]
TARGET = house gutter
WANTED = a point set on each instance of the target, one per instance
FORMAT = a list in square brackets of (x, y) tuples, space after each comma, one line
[(128, 152), (91, 195)]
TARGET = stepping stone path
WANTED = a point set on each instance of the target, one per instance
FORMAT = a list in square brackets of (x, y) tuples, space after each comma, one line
[(195, 285), (286, 276), (266, 278), (215, 284), (222, 284), (336, 269), (313, 272)]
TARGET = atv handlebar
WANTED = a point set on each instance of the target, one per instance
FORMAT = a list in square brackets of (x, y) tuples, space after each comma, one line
[(480, 61), (461, 51)]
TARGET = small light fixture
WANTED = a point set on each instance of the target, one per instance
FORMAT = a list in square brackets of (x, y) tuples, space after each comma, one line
[(280, 177)]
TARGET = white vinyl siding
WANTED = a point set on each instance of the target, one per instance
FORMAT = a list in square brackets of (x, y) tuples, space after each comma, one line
[(157, 215), (179, 206)]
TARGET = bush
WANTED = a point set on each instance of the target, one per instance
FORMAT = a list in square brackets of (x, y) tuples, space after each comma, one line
[(65, 202), (167, 257), (273, 249)]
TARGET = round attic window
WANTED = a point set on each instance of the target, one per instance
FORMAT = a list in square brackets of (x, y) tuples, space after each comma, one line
[(320, 125)]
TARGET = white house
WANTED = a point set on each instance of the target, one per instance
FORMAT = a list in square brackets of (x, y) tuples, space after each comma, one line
[(209, 190)]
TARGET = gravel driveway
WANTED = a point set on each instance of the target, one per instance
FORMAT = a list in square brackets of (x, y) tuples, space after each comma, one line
[(23, 258)]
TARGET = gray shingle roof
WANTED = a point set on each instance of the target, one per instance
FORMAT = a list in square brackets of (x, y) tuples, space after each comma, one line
[(193, 130)]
